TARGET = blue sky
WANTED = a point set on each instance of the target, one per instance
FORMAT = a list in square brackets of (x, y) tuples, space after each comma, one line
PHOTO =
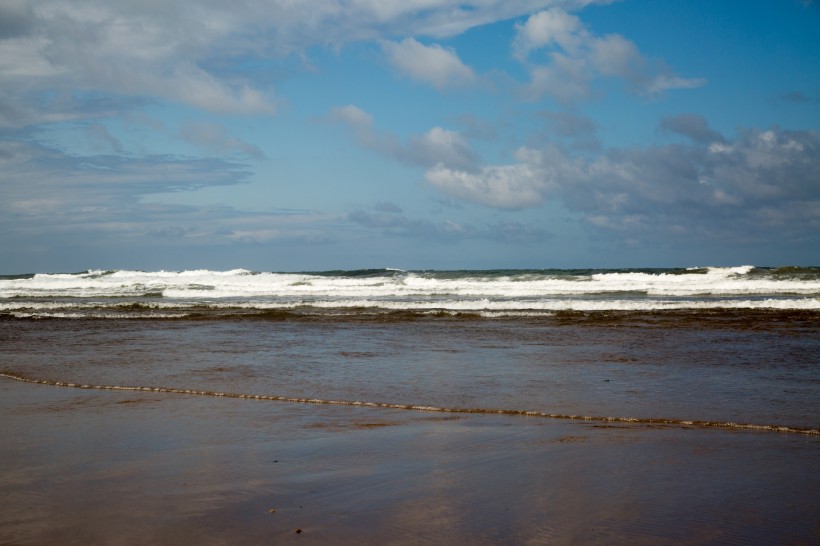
[(343, 134)]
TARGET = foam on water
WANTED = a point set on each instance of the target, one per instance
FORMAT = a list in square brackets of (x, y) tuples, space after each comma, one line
[(744, 287), (47, 315), (491, 307)]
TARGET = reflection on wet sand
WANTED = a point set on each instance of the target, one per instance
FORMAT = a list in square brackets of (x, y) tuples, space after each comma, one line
[(648, 421), (196, 469)]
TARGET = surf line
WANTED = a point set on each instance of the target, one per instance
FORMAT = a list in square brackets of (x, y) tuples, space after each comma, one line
[(413, 407)]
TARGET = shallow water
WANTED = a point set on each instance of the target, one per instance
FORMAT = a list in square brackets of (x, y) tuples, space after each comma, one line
[(698, 369)]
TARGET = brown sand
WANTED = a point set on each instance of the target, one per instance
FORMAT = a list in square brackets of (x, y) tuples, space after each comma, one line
[(101, 467)]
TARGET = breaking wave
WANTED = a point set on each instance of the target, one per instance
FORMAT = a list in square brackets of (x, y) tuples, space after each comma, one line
[(492, 293)]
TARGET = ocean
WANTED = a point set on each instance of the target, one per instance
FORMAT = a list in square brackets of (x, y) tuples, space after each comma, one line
[(488, 294), (514, 406)]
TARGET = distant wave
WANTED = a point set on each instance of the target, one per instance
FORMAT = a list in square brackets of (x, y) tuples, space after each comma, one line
[(485, 308), (491, 291)]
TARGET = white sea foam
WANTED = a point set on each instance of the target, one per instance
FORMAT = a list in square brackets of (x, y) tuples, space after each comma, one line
[(487, 306), (701, 288), (98, 315)]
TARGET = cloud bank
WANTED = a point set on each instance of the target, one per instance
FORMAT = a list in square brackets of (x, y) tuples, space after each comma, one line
[(177, 52), (715, 187), (709, 186)]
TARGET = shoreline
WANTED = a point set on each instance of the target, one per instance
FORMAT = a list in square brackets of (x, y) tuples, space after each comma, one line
[(683, 423)]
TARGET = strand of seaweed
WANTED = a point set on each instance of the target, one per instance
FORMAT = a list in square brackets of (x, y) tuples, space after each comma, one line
[(415, 407)]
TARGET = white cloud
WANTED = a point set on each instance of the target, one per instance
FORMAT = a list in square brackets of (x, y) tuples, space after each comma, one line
[(102, 182), (614, 55), (693, 126), (576, 57), (360, 123), (214, 137), (123, 49), (431, 64), (102, 139), (99, 205), (663, 82), (437, 145), (169, 50), (340, 21), (352, 115), (501, 186), (440, 146), (577, 131), (566, 79), (737, 189), (22, 57), (190, 84), (719, 148), (548, 27), (710, 181)]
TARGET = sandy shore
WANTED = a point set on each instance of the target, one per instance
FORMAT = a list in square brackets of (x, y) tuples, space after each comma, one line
[(90, 467)]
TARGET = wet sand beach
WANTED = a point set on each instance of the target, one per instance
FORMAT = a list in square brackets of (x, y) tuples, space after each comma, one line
[(125, 468), (122, 467)]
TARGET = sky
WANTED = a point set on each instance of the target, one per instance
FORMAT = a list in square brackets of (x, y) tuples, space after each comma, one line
[(284, 135)]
